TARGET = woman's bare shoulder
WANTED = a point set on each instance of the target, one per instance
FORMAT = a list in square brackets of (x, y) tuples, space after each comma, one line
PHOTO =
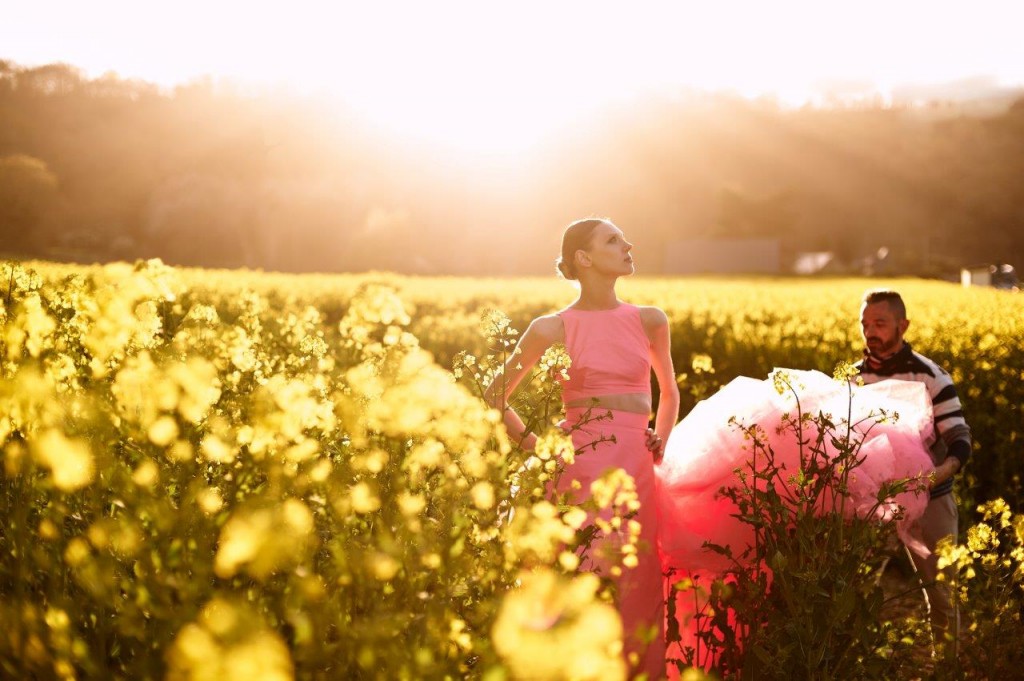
[(548, 327), (652, 316)]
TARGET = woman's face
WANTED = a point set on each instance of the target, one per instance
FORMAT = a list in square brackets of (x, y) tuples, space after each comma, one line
[(609, 252)]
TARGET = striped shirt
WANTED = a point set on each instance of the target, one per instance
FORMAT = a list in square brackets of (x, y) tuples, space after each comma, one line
[(954, 434)]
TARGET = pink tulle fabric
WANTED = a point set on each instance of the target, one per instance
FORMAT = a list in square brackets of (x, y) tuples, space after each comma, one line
[(704, 450)]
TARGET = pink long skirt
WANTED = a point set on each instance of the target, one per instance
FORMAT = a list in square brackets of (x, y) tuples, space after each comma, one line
[(641, 600)]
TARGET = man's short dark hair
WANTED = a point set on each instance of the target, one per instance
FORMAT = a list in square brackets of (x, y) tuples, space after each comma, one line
[(887, 296)]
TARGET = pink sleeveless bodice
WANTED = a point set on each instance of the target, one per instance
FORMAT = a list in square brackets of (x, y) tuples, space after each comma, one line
[(610, 352)]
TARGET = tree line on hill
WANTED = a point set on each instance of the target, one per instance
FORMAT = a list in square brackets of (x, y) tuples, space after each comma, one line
[(99, 169)]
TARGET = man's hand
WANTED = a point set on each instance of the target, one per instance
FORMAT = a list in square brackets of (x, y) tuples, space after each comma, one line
[(944, 471), (655, 445)]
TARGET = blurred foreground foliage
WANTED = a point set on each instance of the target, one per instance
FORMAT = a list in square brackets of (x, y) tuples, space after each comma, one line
[(206, 486), (237, 474)]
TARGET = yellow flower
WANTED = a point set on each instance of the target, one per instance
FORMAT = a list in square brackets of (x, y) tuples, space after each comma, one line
[(555, 445), (314, 346), (557, 628), (48, 530), (302, 451), (146, 474), (76, 552), (702, 364), (215, 449), (69, 460), (555, 363), (574, 517), (297, 516), (320, 471), (263, 541), (483, 495), (261, 657), (228, 641), (996, 509), (181, 451), (537, 532), (615, 488), (364, 500), (200, 388), (373, 461), (209, 500), (568, 560), (980, 537), (203, 314), (494, 324), (38, 325), (163, 431), (382, 566), (459, 636), (411, 504), (427, 455), (15, 454)]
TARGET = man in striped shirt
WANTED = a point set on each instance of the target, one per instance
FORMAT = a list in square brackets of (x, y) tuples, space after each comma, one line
[(883, 321)]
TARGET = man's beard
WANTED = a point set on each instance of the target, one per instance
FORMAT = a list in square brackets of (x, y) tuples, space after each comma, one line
[(884, 350)]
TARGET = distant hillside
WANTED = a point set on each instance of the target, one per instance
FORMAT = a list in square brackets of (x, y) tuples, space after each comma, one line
[(101, 169)]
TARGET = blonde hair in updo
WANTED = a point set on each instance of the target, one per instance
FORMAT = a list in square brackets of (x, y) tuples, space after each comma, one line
[(576, 236)]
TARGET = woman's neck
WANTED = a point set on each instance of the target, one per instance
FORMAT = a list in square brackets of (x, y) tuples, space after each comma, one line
[(597, 296)]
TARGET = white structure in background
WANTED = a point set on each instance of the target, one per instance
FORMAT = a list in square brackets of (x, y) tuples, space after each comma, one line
[(723, 256), (976, 276), (812, 262), (998, 276)]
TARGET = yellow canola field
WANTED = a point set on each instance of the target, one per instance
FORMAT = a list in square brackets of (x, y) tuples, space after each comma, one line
[(247, 475)]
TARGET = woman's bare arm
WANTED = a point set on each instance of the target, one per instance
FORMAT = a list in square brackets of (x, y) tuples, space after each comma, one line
[(656, 325), (538, 337)]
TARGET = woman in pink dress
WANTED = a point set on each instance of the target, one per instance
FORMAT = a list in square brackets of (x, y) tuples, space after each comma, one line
[(613, 347)]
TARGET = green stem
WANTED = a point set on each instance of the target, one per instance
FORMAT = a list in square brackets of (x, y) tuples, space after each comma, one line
[(10, 285)]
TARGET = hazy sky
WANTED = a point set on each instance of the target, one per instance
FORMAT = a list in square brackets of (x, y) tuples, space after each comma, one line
[(454, 63)]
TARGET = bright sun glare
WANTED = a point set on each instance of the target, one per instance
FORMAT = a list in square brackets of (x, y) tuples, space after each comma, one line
[(490, 77), (477, 88), (474, 106)]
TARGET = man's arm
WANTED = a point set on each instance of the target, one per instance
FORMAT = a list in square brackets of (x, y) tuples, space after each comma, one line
[(951, 427), (944, 471)]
